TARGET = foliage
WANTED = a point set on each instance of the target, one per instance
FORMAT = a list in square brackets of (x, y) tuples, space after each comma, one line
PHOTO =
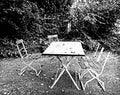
[(20, 14), (7, 48), (33, 19), (92, 21), (20, 19), (96, 19)]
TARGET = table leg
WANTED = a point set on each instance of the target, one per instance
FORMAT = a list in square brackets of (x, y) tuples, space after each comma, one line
[(57, 78), (72, 78), (60, 73), (65, 68), (69, 72), (76, 77)]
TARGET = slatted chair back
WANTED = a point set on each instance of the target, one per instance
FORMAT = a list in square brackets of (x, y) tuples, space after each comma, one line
[(100, 54), (91, 61), (21, 48), (98, 45), (52, 38), (23, 54), (95, 75)]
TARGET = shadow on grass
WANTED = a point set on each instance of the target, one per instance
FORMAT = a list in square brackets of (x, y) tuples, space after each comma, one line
[(30, 84), (11, 83)]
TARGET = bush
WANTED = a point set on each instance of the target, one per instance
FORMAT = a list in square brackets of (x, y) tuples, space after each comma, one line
[(91, 21), (95, 19)]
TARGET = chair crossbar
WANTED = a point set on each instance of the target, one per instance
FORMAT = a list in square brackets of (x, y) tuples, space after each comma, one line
[(23, 54), (95, 75)]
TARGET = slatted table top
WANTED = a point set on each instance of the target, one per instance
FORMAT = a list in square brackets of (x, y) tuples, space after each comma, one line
[(65, 48)]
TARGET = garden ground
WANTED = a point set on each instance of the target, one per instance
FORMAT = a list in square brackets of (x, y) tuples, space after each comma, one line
[(11, 83)]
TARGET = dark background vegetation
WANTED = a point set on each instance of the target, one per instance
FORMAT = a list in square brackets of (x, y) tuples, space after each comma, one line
[(93, 22)]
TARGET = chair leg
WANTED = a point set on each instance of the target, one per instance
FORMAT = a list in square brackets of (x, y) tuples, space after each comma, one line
[(22, 70), (81, 83), (101, 84), (38, 73), (84, 72), (88, 82), (56, 75)]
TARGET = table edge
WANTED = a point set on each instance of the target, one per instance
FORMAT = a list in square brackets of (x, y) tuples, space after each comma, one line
[(63, 55)]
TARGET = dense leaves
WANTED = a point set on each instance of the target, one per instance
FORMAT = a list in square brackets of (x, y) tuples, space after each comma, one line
[(96, 19), (91, 21)]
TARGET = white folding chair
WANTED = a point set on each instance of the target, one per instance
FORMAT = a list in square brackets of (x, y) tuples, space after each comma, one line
[(69, 27), (95, 56), (100, 54), (97, 50), (21, 48), (52, 38), (23, 54), (98, 45), (94, 75)]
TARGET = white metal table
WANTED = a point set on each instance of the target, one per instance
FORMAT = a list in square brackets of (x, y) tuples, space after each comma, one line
[(65, 49)]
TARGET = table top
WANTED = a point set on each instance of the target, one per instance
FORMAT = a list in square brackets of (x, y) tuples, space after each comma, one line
[(63, 48)]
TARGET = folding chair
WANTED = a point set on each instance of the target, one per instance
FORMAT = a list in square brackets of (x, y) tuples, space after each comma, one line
[(69, 27), (100, 54), (65, 68), (52, 38), (23, 54), (98, 45), (94, 75), (21, 49), (92, 59), (101, 51)]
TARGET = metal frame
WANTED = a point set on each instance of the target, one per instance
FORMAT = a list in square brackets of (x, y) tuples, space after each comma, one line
[(65, 68), (18, 42), (95, 55), (23, 56), (95, 75), (52, 38), (67, 49)]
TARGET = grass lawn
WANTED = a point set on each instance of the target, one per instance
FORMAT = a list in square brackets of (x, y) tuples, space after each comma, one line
[(11, 83)]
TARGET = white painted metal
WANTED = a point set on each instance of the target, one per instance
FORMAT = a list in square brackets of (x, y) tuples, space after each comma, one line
[(95, 75), (21, 48), (65, 49)]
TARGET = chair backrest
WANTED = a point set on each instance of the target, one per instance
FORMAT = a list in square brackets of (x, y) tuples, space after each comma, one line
[(21, 48), (52, 38), (98, 45), (100, 54), (104, 63), (68, 27), (97, 50)]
